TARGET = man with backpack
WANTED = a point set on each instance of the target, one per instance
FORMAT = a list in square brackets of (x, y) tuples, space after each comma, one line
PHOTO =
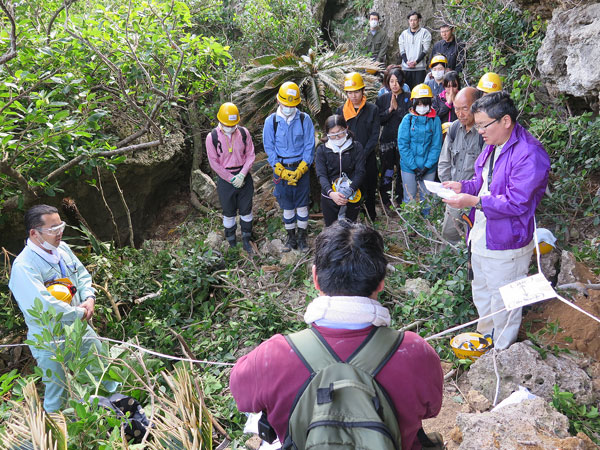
[(230, 154), (348, 381), (462, 146), (289, 142)]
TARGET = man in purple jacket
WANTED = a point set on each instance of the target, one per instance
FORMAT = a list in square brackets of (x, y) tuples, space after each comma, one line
[(510, 179), (349, 273)]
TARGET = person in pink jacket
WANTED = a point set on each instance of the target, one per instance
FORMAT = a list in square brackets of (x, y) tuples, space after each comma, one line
[(348, 272), (231, 154)]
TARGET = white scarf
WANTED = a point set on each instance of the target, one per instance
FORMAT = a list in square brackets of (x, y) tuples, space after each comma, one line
[(52, 258), (335, 149), (347, 309)]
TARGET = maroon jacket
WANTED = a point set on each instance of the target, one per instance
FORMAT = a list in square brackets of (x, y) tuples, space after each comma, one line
[(269, 378)]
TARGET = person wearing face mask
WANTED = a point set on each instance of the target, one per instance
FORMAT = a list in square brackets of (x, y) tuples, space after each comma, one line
[(436, 77), (376, 44), (339, 154), (443, 103), (289, 142), (392, 106), (363, 120), (419, 144), (48, 270), (230, 154)]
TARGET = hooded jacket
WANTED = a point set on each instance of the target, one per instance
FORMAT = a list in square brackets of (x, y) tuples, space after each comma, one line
[(327, 164), (419, 141), (519, 181)]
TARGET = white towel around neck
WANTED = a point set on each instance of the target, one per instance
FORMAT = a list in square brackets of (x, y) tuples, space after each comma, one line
[(347, 309)]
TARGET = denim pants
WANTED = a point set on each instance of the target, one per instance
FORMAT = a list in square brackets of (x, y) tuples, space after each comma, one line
[(410, 185)]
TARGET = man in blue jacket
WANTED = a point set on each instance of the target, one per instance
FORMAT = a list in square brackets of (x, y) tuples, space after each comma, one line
[(510, 179), (48, 270), (289, 141)]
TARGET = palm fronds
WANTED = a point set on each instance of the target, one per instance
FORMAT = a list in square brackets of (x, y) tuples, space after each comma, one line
[(320, 76)]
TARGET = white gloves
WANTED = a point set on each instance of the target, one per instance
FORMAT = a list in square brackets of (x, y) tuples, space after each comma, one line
[(238, 180)]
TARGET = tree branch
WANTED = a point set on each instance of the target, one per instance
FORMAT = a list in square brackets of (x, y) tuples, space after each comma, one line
[(66, 4), (12, 52)]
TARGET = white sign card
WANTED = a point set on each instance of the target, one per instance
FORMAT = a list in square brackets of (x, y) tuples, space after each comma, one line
[(526, 291)]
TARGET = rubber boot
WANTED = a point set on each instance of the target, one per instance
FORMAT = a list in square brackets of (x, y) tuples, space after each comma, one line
[(246, 236), (302, 245), (230, 235), (291, 241)]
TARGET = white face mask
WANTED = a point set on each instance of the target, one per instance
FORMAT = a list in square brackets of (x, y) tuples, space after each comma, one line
[(287, 111), (438, 74), (338, 142), (422, 109), (373, 24), (48, 246), (228, 130)]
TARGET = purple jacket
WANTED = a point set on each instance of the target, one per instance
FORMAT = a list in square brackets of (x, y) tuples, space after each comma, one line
[(519, 181)]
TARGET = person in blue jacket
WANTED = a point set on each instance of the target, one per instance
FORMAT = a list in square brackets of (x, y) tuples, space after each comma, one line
[(289, 141), (419, 144), (48, 270)]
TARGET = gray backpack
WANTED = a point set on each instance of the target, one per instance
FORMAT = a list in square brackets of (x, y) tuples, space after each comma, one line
[(342, 406)]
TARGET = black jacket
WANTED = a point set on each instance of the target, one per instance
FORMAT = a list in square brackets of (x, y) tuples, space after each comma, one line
[(365, 126), (390, 121), (327, 164), (453, 51), (444, 112)]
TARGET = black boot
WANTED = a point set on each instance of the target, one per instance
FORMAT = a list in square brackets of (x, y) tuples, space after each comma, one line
[(246, 236), (291, 241), (230, 235), (302, 245)]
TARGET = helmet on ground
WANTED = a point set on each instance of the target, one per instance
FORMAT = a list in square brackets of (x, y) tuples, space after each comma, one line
[(421, 91), (470, 345), (438, 59), (546, 241), (353, 82), (446, 126), (228, 114), (289, 94), (490, 82), (62, 289)]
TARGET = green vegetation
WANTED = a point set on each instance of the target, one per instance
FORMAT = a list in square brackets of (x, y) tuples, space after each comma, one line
[(582, 418)]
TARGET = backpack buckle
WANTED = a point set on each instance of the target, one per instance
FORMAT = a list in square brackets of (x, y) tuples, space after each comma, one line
[(325, 395)]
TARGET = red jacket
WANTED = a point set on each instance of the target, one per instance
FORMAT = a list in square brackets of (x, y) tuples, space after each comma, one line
[(269, 378)]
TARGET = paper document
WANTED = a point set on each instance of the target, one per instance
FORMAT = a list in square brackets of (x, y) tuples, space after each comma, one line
[(526, 291), (438, 189)]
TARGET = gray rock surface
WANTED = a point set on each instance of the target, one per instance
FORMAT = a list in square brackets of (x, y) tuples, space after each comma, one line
[(521, 365), (549, 263), (568, 57), (567, 266), (214, 240), (204, 187), (530, 424), (273, 248), (416, 286)]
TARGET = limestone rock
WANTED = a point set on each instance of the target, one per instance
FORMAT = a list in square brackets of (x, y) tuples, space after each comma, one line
[(214, 240), (567, 266), (549, 263), (204, 187), (415, 286), (477, 401), (521, 365), (529, 424), (291, 257), (273, 248), (567, 59)]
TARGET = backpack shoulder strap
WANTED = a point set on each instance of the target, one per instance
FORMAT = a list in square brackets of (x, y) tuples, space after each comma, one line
[(215, 140), (312, 349), (302, 115), (244, 134), (454, 129), (275, 126), (376, 350)]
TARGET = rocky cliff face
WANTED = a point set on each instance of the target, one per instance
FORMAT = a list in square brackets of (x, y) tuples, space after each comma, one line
[(568, 58)]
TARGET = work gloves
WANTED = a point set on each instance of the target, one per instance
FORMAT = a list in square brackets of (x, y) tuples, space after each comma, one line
[(291, 177), (420, 173), (238, 180)]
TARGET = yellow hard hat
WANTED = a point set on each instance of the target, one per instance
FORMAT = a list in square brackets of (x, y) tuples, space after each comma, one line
[(289, 94), (421, 91), (437, 59), (546, 241), (445, 127), (228, 114), (470, 345), (490, 82), (353, 82)]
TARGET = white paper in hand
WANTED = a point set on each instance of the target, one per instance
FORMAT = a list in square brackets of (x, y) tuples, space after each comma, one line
[(438, 189), (526, 291)]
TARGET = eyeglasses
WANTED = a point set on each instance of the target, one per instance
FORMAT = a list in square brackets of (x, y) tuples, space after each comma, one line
[(483, 127), (55, 230), (337, 135)]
